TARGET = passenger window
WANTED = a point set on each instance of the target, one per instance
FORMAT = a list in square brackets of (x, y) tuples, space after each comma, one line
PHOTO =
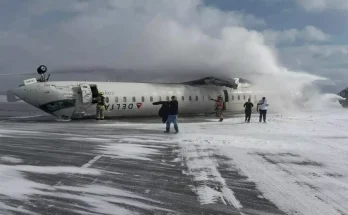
[(151, 99), (244, 97), (196, 98), (133, 99), (124, 99), (232, 97), (255, 97), (167, 98), (142, 99), (159, 98), (107, 99), (238, 97), (183, 98), (116, 99), (190, 98)]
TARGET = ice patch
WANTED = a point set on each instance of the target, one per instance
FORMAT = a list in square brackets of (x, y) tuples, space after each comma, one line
[(92, 161), (203, 167), (207, 195), (90, 139), (24, 117), (8, 131), (6, 209), (10, 159), (127, 151), (102, 199), (52, 169)]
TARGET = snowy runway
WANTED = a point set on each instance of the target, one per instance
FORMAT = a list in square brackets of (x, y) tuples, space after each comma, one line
[(292, 165)]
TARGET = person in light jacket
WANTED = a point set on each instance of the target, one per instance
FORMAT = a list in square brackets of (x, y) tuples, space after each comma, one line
[(262, 106)]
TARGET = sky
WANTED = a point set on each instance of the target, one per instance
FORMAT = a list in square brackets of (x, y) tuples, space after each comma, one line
[(292, 40)]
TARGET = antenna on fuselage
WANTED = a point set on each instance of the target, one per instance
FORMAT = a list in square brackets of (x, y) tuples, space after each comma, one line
[(42, 70)]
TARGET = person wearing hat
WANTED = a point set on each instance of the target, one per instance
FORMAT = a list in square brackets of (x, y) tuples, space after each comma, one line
[(219, 107), (262, 106), (100, 106), (173, 115)]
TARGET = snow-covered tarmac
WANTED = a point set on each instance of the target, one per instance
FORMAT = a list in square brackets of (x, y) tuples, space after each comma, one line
[(294, 164)]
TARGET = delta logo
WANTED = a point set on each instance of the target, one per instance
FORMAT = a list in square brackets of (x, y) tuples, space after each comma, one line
[(139, 105)]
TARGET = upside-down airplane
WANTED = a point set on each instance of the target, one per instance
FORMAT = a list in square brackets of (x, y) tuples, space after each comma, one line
[(76, 99)]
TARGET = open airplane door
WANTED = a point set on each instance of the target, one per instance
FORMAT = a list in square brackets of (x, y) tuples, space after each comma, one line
[(86, 93)]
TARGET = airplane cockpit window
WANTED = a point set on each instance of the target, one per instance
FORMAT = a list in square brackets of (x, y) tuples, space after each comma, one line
[(124, 99), (142, 99), (107, 99), (151, 99), (52, 106), (133, 99), (116, 99)]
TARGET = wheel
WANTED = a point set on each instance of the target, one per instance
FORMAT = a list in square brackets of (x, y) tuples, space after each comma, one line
[(42, 69)]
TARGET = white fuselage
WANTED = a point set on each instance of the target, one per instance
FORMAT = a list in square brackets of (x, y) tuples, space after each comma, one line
[(74, 99)]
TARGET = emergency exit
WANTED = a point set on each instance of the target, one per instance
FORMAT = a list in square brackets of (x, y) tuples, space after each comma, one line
[(86, 93)]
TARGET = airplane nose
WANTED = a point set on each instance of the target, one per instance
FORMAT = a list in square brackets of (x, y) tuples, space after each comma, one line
[(20, 92)]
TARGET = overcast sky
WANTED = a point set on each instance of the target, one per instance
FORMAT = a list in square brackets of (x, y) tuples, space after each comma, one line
[(233, 37)]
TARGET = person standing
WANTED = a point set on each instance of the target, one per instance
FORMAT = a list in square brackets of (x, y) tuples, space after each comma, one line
[(164, 110), (173, 115), (219, 107), (100, 106), (262, 106), (248, 106)]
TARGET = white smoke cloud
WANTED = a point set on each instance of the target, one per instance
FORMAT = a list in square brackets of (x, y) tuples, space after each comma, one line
[(173, 37)]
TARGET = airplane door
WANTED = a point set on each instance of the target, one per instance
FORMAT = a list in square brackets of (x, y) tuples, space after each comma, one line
[(86, 93), (226, 96)]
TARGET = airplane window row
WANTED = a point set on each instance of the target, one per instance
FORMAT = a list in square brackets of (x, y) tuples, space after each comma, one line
[(244, 97), (124, 99)]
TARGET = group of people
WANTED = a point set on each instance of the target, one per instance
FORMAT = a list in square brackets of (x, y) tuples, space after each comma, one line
[(261, 107), (169, 110)]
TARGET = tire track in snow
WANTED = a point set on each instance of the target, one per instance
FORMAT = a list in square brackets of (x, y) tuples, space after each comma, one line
[(203, 167)]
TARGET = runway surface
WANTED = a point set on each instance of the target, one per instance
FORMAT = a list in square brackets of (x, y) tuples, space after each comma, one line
[(291, 165)]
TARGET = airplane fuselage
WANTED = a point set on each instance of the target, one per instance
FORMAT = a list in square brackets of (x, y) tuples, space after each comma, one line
[(76, 99)]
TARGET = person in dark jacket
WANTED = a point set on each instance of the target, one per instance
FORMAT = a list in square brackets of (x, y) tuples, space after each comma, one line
[(248, 106), (173, 115), (163, 111), (169, 113)]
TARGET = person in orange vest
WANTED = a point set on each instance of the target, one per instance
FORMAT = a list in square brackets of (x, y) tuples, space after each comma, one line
[(219, 107)]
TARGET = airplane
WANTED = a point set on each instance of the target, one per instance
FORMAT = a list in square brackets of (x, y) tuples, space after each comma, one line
[(77, 99)]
